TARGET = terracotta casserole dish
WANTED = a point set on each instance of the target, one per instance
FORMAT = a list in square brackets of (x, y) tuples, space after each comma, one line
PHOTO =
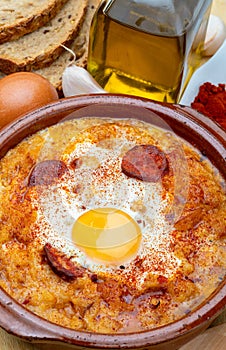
[(197, 130)]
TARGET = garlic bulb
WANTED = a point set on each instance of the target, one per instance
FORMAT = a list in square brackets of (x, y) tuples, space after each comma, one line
[(77, 81), (215, 35)]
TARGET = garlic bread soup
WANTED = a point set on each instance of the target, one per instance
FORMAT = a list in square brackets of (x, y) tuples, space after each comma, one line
[(110, 225)]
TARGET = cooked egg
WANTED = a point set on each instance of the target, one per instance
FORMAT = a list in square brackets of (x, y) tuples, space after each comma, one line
[(100, 216), (21, 92), (107, 235)]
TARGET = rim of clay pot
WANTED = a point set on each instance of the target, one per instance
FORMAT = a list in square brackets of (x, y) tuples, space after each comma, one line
[(187, 123)]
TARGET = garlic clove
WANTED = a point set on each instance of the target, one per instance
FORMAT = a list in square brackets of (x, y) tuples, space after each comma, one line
[(215, 35), (77, 81)]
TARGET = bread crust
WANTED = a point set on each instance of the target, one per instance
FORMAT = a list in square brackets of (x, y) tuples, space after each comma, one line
[(43, 46), (21, 26), (53, 72), (79, 46)]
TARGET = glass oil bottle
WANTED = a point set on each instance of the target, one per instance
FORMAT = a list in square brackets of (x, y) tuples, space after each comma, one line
[(148, 48)]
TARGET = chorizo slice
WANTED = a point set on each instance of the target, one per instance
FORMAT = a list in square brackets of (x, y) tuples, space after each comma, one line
[(46, 172), (145, 162), (62, 265)]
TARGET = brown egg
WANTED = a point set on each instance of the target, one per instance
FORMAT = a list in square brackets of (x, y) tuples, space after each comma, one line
[(21, 92)]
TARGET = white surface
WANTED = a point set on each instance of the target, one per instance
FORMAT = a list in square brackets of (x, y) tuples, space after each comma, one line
[(214, 71)]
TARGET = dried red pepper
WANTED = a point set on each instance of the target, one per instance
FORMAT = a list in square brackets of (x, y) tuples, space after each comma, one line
[(211, 101)]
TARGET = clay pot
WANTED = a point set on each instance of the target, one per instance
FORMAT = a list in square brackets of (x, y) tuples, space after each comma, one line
[(201, 132)]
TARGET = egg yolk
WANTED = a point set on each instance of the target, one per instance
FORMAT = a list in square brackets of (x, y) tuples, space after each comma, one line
[(107, 235)]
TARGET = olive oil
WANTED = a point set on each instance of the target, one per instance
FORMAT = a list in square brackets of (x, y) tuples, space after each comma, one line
[(148, 48)]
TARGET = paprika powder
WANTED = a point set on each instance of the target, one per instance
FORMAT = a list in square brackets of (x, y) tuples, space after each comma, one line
[(211, 101)]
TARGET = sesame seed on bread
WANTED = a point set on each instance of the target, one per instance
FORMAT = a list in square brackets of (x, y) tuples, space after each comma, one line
[(18, 18), (42, 46)]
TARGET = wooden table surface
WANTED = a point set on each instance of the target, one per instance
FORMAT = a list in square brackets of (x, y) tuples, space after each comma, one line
[(212, 339)]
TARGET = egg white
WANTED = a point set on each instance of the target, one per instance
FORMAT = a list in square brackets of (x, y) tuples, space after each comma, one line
[(97, 183)]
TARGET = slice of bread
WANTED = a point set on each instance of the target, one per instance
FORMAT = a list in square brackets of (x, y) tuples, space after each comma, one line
[(80, 47), (41, 47), (18, 18)]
